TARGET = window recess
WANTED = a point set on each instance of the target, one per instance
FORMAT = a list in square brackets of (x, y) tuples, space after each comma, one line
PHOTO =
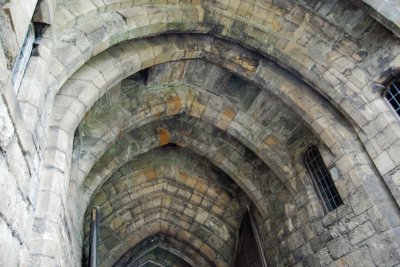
[(392, 95), (322, 180)]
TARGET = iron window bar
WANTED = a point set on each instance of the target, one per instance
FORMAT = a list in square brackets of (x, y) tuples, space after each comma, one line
[(392, 95), (23, 58), (322, 180)]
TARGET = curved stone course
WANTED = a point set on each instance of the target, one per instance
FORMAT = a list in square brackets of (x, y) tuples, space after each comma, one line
[(176, 118)]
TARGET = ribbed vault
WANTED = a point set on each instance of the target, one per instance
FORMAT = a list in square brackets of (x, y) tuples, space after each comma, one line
[(309, 54), (174, 117), (172, 187), (161, 250), (180, 166), (224, 119), (103, 128)]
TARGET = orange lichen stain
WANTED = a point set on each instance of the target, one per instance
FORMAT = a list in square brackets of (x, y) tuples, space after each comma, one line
[(272, 140), (183, 176), (191, 181), (173, 104), (225, 118), (197, 109), (246, 63), (160, 113), (228, 113), (150, 174), (164, 136)]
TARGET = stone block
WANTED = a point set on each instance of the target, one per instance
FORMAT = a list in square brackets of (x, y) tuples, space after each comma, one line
[(136, 16), (20, 15), (295, 240), (385, 250), (58, 159), (337, 230), (10, 196), (352, 222), (44, 12), (9, 246), (18, 166), (7, 128), (33, 189), (360, 258), (324, 257), (309, 232), (396, 178), (359, 201), (196, 198), (384, 163), (48, 205), (311, 260), (339, 247), (393, 152), (361, 232), (79, 8), (184, 194), (382, 216)]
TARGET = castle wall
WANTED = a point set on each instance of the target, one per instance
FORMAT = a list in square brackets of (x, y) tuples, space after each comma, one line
[(38, 224)]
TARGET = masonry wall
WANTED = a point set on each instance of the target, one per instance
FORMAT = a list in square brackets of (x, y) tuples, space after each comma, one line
[(19, 167), (299, 233), (352, 235), (19, 155)]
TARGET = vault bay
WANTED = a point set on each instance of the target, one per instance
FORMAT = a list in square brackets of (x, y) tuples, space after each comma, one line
[(185, 133)]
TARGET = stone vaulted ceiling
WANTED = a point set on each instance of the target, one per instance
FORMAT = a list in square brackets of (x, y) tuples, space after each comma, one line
[(177, 172), (184, 114), (179, 118)]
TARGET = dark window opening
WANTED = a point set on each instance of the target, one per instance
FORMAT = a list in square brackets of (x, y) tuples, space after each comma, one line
[(322, 180), (248, 249), (170, 145), (392, 94)]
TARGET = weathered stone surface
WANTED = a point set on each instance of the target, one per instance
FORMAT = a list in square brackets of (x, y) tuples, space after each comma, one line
[(361, 257), (9, 246), (7, 129), (339, 247), (44, 11), (361, 233), (383, 250), (174, 134)]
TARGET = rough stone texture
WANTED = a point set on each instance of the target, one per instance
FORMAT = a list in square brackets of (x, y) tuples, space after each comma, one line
[(172, 116), (18, 187), (386, 12), (19, 14), (9, 45), (44, 12)]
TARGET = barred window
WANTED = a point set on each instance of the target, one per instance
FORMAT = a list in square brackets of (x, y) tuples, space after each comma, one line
[(392, 94), (322, 180), (23, 58)]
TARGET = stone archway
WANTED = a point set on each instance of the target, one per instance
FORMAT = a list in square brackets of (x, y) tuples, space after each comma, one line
[(241, 88), (114, 65)]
